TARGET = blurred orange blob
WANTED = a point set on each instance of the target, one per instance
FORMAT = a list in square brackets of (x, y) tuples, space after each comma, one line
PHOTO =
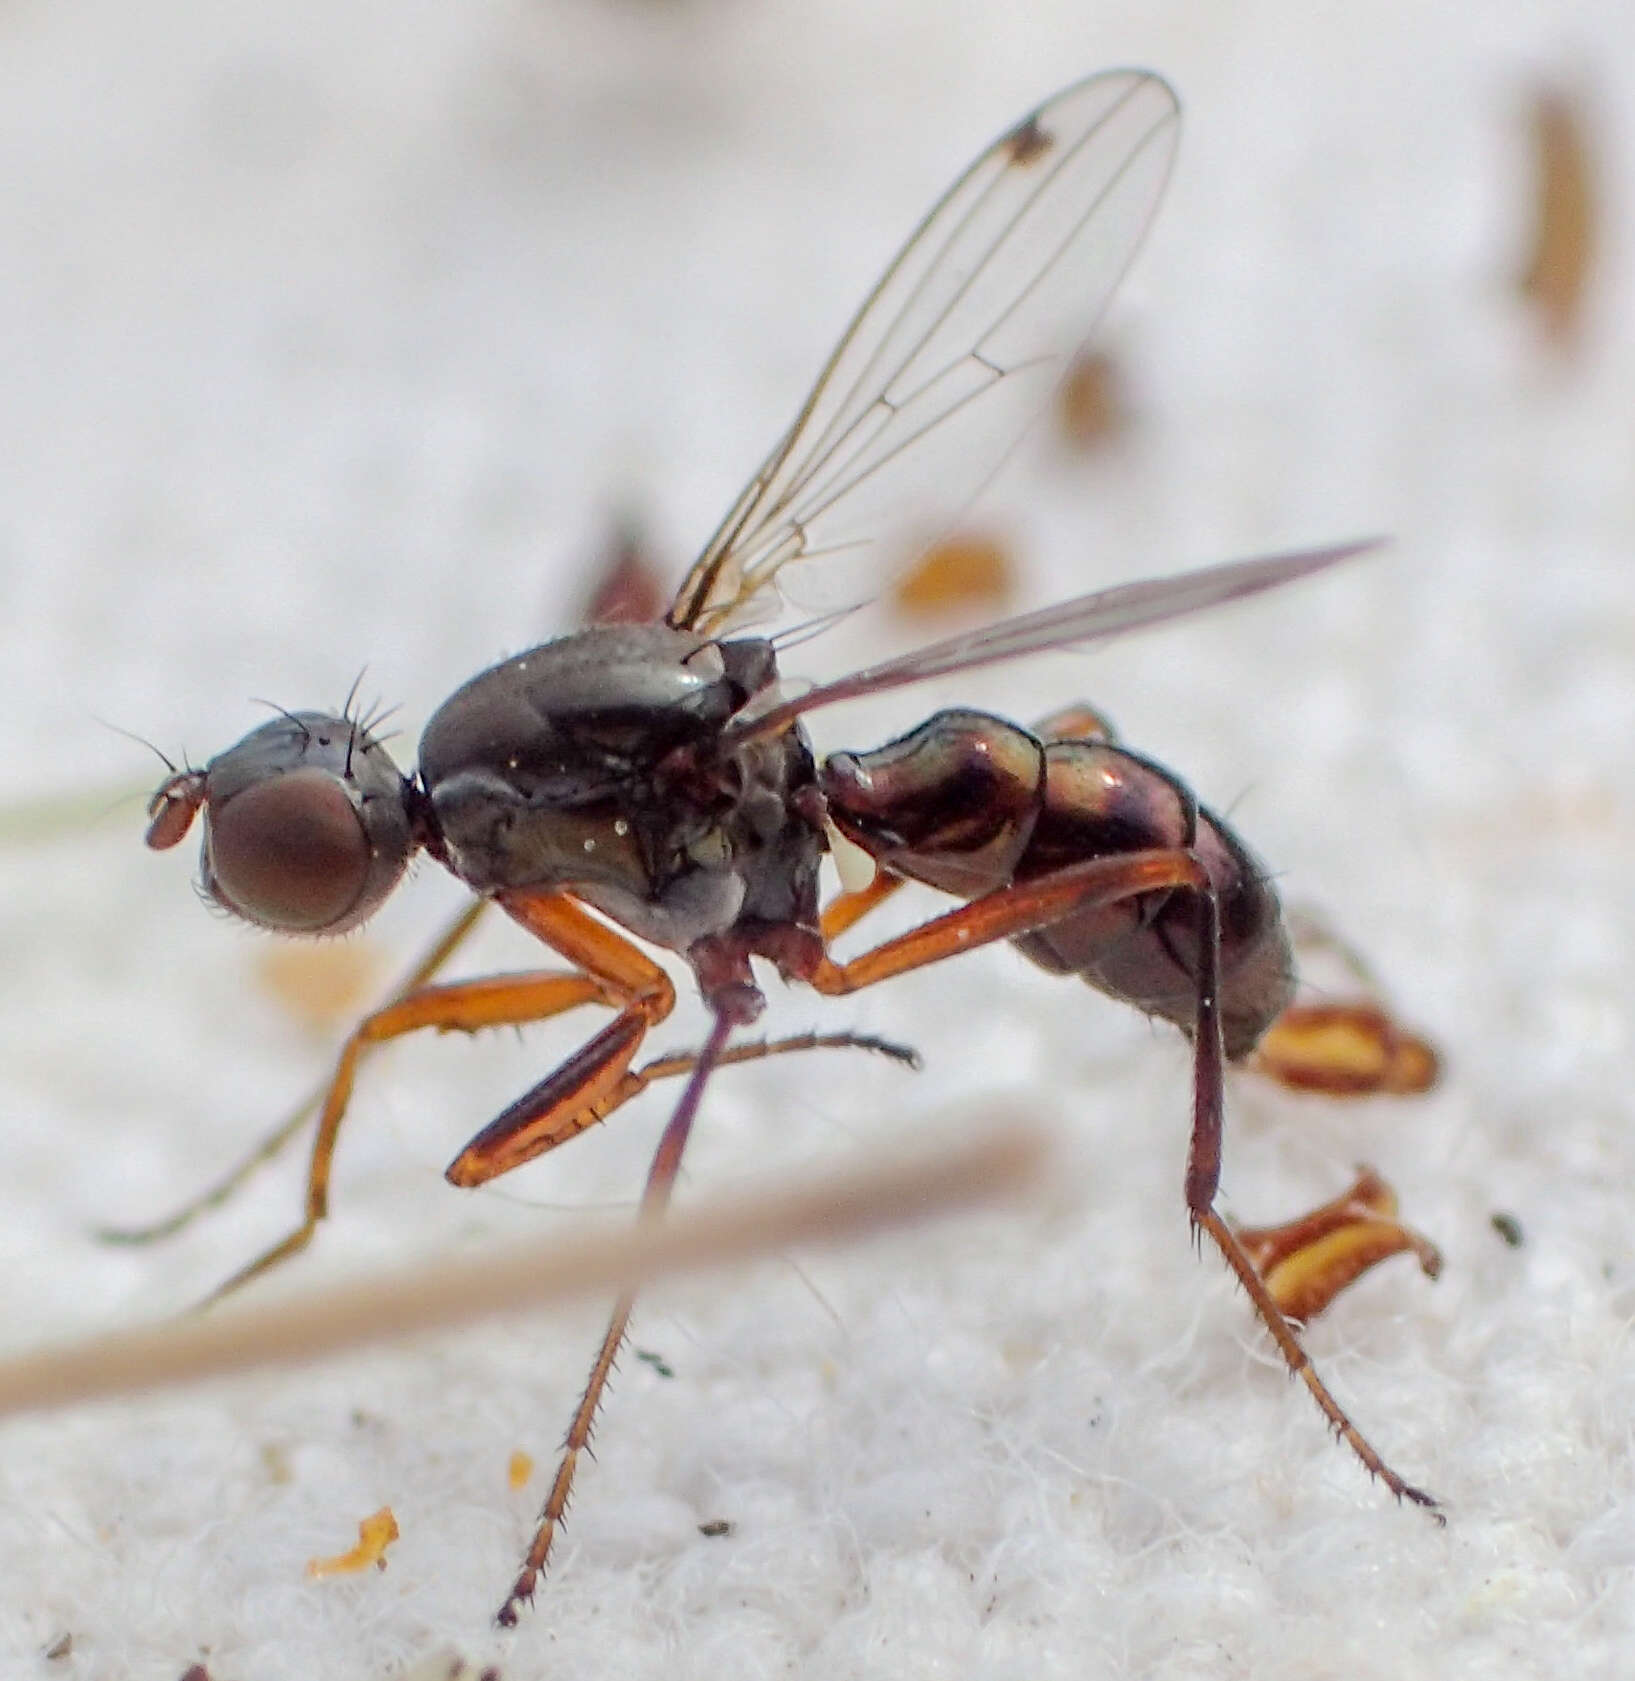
[(1346, 1050), (1089, 402), (375, 1535), (322, 984), (1565, 215), (968, 569)]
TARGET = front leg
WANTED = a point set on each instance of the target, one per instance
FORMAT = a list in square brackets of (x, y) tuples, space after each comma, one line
[(460, 1007), (609, 970), (417, 980)]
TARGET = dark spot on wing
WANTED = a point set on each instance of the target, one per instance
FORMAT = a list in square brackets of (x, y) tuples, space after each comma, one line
[(1028, 142)]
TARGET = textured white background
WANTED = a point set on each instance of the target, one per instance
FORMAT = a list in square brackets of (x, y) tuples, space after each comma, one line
[(332, 335)]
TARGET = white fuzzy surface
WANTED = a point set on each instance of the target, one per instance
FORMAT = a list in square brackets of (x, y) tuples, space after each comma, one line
[(333, 335)]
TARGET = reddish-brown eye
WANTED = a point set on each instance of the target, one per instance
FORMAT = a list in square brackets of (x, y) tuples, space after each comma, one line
[(306, 825), (290, 853)]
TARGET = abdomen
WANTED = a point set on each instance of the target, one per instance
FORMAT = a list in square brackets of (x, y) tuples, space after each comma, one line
[(971, 803)]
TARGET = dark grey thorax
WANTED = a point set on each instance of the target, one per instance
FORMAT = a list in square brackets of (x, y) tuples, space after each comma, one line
[(587, 764)]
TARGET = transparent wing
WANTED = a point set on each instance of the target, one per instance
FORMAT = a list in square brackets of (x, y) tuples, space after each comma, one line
[(1077, 623), (953, 354)]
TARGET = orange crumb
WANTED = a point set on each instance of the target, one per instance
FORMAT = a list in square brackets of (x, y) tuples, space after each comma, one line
[(375, 1534)]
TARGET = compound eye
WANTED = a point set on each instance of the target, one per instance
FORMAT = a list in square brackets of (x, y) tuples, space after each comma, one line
[(306, 826), (291, 853)]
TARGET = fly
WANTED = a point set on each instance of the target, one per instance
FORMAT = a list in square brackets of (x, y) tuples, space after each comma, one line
[(654, 780)]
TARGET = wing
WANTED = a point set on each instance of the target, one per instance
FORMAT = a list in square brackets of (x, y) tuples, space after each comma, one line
[(955, 351), (1069, 624)]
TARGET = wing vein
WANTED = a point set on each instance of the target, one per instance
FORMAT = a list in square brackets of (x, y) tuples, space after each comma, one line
[(952, 354)]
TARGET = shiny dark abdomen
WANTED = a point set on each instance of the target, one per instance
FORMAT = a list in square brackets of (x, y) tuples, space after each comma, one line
[(1100, 801), (970, 803)]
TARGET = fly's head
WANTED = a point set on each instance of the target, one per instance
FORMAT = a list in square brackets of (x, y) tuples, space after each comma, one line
[(307, 823)]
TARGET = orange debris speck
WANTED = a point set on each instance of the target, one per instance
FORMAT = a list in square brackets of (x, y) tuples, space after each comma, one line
[(375, 1534)]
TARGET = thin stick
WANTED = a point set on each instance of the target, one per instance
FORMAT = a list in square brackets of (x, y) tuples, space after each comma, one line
[(458, 1290)]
